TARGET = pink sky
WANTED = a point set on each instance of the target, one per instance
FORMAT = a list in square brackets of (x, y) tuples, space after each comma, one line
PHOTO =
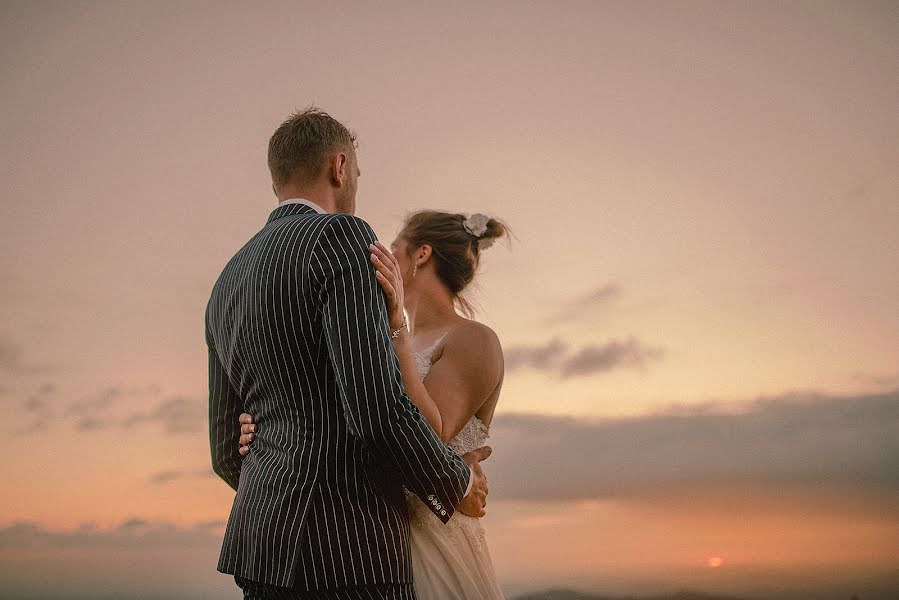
[(699, 308)]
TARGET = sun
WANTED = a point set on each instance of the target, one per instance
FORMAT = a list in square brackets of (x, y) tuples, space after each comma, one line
[(715, 561)]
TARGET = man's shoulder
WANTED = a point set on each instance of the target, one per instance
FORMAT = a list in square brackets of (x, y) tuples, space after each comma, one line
[(350, 229)]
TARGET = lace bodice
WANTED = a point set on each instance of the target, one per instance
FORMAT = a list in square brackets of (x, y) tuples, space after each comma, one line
[(474, 434)]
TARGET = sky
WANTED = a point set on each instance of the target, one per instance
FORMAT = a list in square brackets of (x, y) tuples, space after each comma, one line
[(698, 306)]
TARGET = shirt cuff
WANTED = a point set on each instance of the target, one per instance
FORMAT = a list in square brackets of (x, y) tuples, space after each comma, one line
[(470, 482)]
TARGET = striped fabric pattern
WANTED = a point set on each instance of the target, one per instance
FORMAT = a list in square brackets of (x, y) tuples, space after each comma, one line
[(298, 335), (263, 591)]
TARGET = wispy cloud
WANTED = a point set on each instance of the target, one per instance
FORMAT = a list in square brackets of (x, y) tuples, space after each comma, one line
[(544, 356), (10, 355), (112, 407), (615, 354), (598, 299), (169, 475), (177, 414), (13, 361), (557, 358), (880, 380), (92, 413), (166, 476), (38, 407)]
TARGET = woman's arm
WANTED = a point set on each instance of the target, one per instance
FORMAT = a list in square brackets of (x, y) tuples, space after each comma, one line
[(415, 389)]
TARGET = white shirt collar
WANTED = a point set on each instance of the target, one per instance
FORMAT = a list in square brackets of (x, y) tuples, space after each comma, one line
[(317, 208)]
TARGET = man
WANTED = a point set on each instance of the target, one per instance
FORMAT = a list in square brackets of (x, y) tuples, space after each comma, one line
[(298, 335)]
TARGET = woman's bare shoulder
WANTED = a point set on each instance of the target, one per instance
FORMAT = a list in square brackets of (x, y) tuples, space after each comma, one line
[(474, 340)]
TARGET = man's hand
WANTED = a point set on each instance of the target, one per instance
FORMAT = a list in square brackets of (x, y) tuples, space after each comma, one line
[(475, 503), (247, 428)]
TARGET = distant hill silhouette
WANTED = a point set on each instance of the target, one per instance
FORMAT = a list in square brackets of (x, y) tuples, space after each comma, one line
[(572, 595)]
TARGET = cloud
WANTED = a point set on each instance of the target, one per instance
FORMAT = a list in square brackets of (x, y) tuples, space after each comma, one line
[(793, 439), (92, 413), (37, 410), (151, 532), (165, 476), (538, 357), (615, 354), (555, 357), (13, 361), (11, 355), (178, 414), (125, 561), (601, 297), (879, 380), (112, 407), (39, 402)]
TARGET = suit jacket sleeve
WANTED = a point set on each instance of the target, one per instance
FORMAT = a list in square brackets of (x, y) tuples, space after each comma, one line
[(356, 331), (225, 407)]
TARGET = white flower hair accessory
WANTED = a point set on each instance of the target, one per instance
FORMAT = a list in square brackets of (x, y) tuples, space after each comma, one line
[(476, 224)]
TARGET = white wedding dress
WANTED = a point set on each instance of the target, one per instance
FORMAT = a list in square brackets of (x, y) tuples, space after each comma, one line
[(451, 561)]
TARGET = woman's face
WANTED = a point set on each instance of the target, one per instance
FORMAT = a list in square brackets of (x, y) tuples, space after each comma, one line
[(398, 248)]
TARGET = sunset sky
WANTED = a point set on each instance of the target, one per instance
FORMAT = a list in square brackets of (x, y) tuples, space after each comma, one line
[(699, 308)]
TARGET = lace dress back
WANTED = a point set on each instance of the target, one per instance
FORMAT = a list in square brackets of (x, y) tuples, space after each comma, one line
[(451, 561)]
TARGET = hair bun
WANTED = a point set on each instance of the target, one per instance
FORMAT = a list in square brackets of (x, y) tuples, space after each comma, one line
[(485, 229)]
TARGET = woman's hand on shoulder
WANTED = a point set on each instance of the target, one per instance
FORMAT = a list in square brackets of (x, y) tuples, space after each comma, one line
[(390, 278)]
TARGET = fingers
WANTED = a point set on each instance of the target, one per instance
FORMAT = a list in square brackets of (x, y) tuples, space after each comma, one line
[(385, 272), (390, 255), (381, 256), (247, 433), (384, 252), (386, 286), (473, 506), (480, 454)]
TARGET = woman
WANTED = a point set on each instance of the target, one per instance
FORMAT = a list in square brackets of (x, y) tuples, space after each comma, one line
[(452, 369)]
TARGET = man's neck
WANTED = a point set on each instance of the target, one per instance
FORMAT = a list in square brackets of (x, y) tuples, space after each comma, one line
[(314, 194), (305, 201)]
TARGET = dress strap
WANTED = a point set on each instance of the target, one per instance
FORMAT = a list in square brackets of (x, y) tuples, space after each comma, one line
[(437, 341)]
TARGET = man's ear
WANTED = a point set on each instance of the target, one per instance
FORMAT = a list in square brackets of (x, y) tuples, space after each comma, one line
[(338, 169)]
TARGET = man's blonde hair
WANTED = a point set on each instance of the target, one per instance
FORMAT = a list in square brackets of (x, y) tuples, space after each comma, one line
[(300, 147)]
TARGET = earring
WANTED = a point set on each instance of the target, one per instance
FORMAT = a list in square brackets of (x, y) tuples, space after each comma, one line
[(414, 269)]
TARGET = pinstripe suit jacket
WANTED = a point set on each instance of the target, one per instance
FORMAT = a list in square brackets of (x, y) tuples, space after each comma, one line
[(297, 332)]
